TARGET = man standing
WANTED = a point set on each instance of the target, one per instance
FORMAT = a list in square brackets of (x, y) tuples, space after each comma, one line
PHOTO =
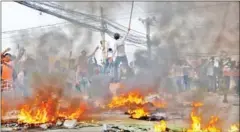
[(82, 80), (210, 74), (121, 54)]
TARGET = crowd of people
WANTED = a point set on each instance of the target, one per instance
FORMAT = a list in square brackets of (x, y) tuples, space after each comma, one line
[(213, 73)]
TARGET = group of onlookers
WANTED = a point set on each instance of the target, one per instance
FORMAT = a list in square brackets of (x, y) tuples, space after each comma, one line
[(213, 73)]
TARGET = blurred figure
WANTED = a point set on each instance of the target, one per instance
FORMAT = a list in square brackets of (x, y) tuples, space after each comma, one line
[(109, 65), (8, 62), (21, 81), (226, 72), (82, 81), (217, 72), (178, 76), (210, 74), (236, 77), (186, 79)]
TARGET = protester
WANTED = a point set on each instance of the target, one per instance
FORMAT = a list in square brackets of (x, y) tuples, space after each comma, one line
[(226, 72), (82, 81), (8, 73), (186, 79), (178, 76), (210, 74), (109, 62), (21, 81), (121, 54), (236, 78)]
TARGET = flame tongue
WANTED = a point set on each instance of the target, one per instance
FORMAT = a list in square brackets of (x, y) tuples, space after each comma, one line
[(129, 99), (160, 127), (38, 112), (138, 113), (234, 128), (45, 107)]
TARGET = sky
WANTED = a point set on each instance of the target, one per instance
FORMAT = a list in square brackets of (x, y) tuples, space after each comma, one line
[(16, 17)]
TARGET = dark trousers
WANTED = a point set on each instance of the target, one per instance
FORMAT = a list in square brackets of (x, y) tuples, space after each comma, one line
[(186, 82), (236, 79), (107, 65), (226, 82), (211, 83), (118, 60)]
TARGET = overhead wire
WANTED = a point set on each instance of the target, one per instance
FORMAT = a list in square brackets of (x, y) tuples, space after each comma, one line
[(110, 18)]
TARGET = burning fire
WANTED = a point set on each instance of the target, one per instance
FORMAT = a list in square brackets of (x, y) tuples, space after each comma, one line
[(138, 113), (46, 106), (39, 112), (48, 111), (196, 121), (159, 103), (211, 127), (234, 128), (129, 99), (160, 127)]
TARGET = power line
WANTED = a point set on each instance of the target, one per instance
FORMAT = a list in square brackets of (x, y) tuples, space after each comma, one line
[(153, 13)]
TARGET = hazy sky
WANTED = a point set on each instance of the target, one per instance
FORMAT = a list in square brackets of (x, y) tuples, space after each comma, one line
[(16, 16)]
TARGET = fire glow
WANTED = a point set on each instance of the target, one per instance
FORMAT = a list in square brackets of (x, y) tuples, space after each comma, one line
[(160, 127), (135, 104), (46, 106), (138, 113), (129, 99)]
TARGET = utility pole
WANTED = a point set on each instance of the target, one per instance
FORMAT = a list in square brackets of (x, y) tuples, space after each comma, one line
[(148, 22), (103, 42)]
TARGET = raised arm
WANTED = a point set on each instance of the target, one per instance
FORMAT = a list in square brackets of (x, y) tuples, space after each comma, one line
[(124, 38), (5, 51), (20, 55), (94, 52)]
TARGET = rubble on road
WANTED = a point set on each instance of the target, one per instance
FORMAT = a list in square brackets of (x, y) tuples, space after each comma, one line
[(70, 123), (45, 126), (59, 123), (125, 128)]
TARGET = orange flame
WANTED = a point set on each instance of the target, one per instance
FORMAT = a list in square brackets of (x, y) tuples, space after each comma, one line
[(211, 127), (160, 127), (131, 98), (234, 128), (159, 103), (138, 113), (45, 107)]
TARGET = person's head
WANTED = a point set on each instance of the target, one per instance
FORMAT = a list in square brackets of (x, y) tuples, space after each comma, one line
[(7, 57), (229, 59), (116, 36), (212, 58), (84, 53), (110, 50)]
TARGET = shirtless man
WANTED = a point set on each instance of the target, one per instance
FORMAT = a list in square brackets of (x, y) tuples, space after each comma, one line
[(121, 54)]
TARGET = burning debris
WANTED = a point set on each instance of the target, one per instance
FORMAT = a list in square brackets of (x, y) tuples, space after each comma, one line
[(138, 107)]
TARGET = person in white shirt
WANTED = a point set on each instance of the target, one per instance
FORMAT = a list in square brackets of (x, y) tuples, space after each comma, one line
[(121, 54), (109, 60)]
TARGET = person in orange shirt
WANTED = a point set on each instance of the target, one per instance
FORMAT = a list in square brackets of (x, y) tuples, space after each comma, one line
[(6, 71), (7, 68)]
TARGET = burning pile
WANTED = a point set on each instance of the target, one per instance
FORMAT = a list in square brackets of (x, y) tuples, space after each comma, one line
[(135, 104), (46, 105), (196, 124)]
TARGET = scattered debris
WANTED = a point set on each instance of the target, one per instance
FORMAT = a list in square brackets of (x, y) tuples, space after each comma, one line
[(123, 128), (70, 123), (45, 126), (59, 123), (7, 129)]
